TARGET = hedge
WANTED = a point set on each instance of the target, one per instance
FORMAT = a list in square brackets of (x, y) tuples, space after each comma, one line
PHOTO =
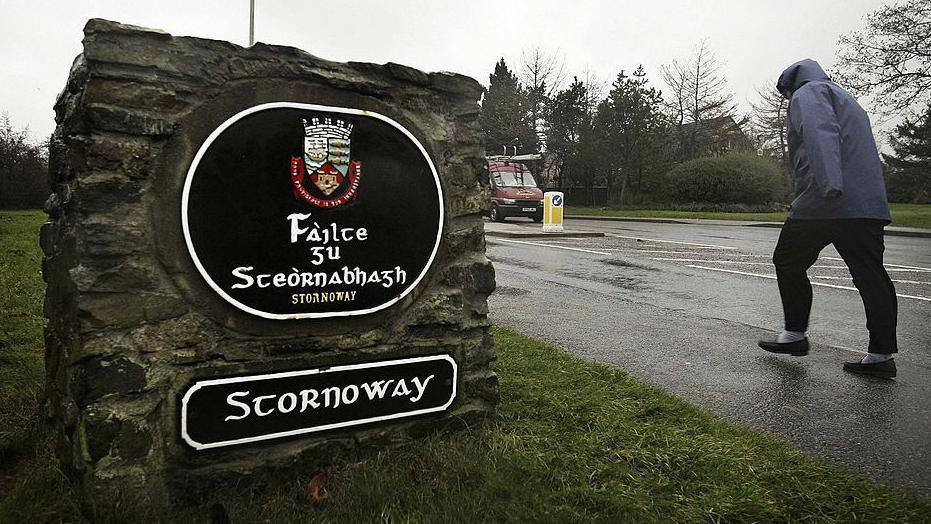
[(736, 178)]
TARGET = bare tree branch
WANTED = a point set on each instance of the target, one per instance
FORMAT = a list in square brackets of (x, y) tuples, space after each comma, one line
[(697, 94), (890, 60)]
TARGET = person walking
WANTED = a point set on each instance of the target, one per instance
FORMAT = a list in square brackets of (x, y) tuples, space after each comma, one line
[(840, 199)]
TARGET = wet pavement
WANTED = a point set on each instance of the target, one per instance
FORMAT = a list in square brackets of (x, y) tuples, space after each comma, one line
[(682, 305)]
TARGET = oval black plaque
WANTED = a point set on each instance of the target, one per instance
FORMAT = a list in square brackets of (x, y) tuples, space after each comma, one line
[(294, 211)]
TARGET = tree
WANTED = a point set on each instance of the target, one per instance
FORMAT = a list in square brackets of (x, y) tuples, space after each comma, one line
[(23, 168), (910, 166), (890, 59), (632, 122), (768, 124), (569, 134), (505, 116), (542, 74), (698, 96)]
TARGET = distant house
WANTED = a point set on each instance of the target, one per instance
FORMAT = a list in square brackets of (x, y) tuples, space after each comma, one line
[(714, 137)]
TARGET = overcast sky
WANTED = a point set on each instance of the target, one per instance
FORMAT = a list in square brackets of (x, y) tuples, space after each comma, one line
[(755, 40)]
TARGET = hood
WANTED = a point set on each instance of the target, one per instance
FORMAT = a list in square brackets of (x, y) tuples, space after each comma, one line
[(526, 193), (800, 73)]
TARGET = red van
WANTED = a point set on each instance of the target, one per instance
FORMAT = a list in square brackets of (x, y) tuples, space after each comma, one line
[(514, 192)]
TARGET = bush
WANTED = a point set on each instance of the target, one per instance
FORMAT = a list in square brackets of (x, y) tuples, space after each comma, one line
[(737, 178), (908, 186)]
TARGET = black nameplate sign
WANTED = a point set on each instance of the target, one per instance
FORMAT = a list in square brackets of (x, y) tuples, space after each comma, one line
[(294, 211), (240, 410)]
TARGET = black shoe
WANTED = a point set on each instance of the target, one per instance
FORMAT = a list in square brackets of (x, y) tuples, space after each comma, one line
[(884, 369), (799, 348)]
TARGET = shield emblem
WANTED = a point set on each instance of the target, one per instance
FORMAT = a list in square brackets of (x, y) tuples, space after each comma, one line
[(326, 163), (327, 178), (339, 154), (315, 152)]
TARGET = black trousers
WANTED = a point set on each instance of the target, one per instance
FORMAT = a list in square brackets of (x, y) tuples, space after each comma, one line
[(860, 244)]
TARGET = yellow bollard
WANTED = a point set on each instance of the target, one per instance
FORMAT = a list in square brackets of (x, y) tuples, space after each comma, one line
[(552, 211)]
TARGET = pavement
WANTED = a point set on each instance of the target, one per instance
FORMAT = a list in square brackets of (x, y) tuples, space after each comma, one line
[(681, 305), (514, 230)]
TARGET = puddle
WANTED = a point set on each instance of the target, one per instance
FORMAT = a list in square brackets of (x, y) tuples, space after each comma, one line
[(620, 262)]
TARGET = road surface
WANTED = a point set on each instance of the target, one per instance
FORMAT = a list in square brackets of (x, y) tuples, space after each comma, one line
[(682, 306)]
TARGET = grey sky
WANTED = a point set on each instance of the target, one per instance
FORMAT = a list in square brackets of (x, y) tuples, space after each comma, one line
[(755, 39)]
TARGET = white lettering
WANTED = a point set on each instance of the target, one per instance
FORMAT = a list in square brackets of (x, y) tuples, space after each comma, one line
[(331, 392), (240, 272), (376, 389), (354, 390), (240, 405), (401, 389), (297, 230), (257, 402), (420, 387), (281, 402), (305, 401)]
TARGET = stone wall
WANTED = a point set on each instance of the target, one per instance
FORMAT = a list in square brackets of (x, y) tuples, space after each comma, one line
[(131, 322)]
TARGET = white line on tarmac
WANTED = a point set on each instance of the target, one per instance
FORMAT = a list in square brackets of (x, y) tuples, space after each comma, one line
[(668, 241), (916, 268), (847, 349), (554, 241), (689, 253), (893, 279), (737, 262), (634, 250), (773, 277), (890, 269), (551, 246)]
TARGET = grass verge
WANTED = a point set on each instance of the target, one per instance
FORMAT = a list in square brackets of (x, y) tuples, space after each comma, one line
[(903, 215), (573, 441), (21, 346)]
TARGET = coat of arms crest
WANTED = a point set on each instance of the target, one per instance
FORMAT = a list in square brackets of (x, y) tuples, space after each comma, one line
[(326, 164)]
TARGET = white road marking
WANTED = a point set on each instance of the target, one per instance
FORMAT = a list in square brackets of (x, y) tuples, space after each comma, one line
[(889, 269), (551, 246), (861, 352), (690, 253), (737, 262), (888, 265), (773, 277), (668, 241), (554, 241), (893, 279)]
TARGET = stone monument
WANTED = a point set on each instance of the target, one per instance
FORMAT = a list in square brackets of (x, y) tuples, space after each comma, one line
[(257, 259)]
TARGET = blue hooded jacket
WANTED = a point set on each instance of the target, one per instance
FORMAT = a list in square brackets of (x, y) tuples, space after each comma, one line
[(835, 163)]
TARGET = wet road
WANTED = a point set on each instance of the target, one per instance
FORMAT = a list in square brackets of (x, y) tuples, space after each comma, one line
[(682, 306)]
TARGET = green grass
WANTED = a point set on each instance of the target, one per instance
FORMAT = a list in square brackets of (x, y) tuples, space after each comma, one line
[(911, 215), (572, 442), (21, 346), (903, 215)]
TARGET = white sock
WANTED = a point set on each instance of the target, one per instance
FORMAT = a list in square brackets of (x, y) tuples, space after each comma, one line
[(790, 336), (875, 358)]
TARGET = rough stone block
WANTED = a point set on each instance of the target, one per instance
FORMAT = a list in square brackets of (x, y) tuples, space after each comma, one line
[(110, 310), (120, 120), (107, 376), (100, 430), (134, 441), (133, 323)]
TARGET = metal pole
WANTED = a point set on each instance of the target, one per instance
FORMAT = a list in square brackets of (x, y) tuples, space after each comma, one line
[(251, 22)]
